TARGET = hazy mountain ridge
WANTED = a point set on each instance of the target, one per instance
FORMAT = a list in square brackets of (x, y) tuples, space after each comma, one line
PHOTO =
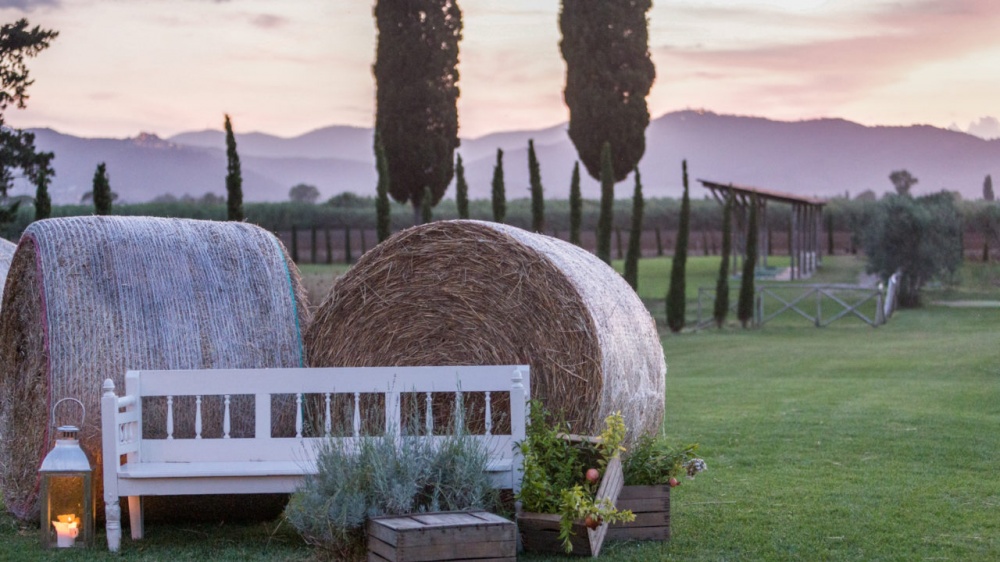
[(821, 157)]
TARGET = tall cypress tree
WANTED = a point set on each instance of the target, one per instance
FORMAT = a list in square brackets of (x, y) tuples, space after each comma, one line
[(988, 188), (609, 73), (461, 190), (234, 176), (102, 191), (744, 308), (537, 198), (499, 197), (676, 294), (348, 256), (829, 234), (314, 245), (605, 218), (426, 215), (329, 245), (416, 77), (575, 206), (635, 236), (721, 309), (383, 214), (659, 242), (40, 173)]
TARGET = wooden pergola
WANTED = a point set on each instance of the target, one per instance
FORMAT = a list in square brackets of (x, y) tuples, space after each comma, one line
[(807, 212)]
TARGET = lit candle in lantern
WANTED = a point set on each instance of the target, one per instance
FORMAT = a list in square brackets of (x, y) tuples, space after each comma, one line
[(67, 529)]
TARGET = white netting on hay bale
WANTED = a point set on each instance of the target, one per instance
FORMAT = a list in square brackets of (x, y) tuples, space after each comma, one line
[(91, 297), (6, 254), (473, 293)]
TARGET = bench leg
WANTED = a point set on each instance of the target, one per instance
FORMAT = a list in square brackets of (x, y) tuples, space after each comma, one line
[(135, 516), (113, 524)]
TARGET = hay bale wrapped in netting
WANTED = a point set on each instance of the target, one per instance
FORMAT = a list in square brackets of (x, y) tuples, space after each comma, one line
[(6, 254), (90, 297), (478, 293)]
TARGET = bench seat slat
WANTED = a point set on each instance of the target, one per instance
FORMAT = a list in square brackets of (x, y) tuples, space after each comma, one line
[(215, 469)]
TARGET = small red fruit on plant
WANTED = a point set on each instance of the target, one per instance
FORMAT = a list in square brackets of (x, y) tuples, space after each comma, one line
[(593, 475), (674, 483), (592, 522)]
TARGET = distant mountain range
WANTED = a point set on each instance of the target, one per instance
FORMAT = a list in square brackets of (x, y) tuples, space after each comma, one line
[(824, 157)]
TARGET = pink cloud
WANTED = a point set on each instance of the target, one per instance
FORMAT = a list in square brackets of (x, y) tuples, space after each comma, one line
[(884, 47)]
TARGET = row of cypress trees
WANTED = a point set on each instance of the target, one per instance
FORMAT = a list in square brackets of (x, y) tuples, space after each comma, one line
[(676, 301)]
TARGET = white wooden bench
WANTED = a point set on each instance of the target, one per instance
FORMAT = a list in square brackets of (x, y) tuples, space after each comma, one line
[(264, 463)]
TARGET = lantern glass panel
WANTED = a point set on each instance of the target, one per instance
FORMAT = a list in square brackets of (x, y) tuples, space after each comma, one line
[(66, 509)]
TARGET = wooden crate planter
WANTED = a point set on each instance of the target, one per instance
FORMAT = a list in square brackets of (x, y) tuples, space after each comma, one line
[(456, 535), (651, 506), (540, 531)]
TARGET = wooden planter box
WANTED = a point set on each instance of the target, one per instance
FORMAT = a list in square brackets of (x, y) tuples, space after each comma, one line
[(455, 535), (540, 531), (651, 506)]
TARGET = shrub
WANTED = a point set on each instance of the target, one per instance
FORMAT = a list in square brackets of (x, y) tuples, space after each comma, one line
[(653, 462), (386, 475)]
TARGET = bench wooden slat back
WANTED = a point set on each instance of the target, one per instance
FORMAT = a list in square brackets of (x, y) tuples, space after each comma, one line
[(392, 382)]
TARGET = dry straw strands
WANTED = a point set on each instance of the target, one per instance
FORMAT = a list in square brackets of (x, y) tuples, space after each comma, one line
[(477, 293), (91, 297), (6, 254)]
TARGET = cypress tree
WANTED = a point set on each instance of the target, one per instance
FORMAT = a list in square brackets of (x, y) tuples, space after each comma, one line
[(425, 206), (102, 191), (635, 236), (829, 234), (295, 244), (348, 257), (234, 176), (313, 246), (40, 173), (609, 73), (329, 245), (461, 190), (618, 239), (988, 188), (744, 308), (607, 206), (499, 197), (383, 217), (676, 299), (721, 309), (416, 79), (575, 206), (659, 242), (537, 198)]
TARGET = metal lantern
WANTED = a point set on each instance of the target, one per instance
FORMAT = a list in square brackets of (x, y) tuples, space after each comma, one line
[(67, 495)]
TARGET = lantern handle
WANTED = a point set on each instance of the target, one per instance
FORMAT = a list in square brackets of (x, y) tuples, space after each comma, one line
[(83, 411)]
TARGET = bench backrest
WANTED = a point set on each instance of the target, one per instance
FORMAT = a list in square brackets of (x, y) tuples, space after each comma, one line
[(123, 416)]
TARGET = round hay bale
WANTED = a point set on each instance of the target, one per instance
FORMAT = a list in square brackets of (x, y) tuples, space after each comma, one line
[(91, 297), (478, 293)]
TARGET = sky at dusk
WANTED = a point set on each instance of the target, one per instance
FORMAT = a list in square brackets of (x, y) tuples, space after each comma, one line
[(287, 67)]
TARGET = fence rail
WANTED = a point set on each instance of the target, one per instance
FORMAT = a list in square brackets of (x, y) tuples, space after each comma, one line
[(872, 305)]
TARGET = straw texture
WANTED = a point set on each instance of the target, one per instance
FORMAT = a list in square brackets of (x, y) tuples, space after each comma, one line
[(6, 254), (91, 297), (477, 293)]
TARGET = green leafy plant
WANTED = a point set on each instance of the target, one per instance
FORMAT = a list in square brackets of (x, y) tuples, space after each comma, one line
[(654, 462), (578, 504), (555, 472)]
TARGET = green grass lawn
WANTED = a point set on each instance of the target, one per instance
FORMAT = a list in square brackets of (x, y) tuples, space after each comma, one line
[(841, 443)]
